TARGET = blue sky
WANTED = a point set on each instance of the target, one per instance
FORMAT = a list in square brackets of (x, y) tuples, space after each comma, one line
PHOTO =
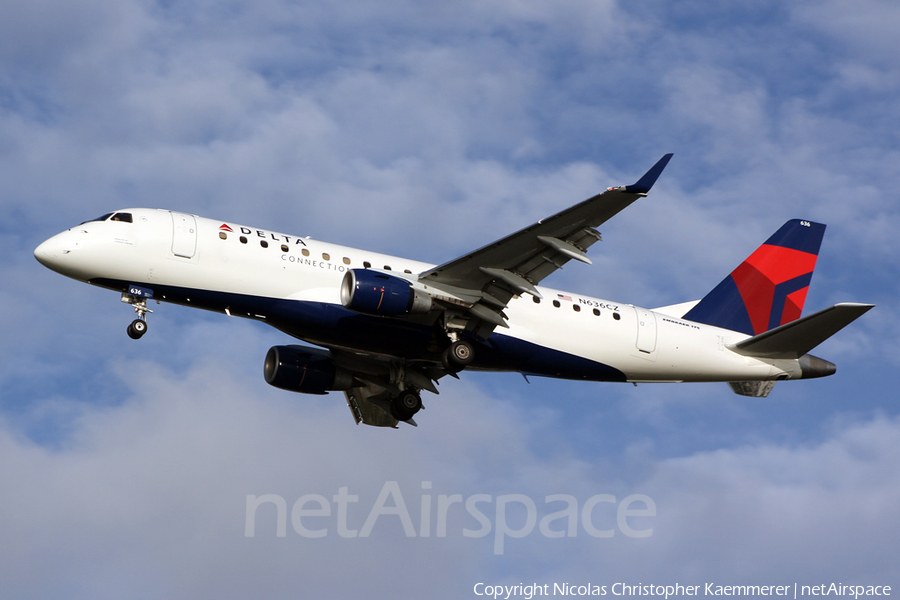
[(427, 131)]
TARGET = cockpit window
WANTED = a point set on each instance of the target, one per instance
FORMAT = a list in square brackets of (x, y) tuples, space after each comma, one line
[(119, 216), (103, 218)]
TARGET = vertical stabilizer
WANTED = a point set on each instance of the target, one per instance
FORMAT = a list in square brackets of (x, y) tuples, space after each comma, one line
[(769, 288)]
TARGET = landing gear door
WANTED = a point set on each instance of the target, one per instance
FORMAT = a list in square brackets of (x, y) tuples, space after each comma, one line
[(184, 235)]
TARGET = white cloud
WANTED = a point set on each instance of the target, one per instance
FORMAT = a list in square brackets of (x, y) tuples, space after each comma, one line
[(778, 505), (153, 492)]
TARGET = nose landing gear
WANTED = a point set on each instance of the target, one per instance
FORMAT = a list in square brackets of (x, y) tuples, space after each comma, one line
[(136, 329), (137, 297)]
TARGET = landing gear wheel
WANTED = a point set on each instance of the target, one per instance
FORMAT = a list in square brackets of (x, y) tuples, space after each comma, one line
[(405, 405), (458, 356), (137, 329)]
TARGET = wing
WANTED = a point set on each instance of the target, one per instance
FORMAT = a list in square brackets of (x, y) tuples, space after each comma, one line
[(377, 380), (492, 275), (371, 405)]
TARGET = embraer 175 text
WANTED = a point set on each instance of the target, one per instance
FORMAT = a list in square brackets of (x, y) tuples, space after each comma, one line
[(387, 328)]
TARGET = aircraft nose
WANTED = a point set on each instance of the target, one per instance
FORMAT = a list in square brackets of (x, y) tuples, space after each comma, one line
[(44, 253), (50, 252)]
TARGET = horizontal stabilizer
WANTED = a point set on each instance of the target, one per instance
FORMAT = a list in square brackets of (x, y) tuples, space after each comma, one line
[(796, 338)]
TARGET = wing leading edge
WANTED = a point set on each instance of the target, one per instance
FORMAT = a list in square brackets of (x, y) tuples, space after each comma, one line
[(514, 265)]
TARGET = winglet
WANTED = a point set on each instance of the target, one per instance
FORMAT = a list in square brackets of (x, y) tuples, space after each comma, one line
[(643, 185)]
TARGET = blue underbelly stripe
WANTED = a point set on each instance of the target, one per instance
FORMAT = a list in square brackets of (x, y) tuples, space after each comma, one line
[(333, 325)]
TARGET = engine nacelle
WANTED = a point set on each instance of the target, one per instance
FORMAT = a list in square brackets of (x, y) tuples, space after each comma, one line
[(305, 370), (375, 293)]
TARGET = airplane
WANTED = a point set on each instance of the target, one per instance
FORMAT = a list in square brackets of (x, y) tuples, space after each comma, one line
[(384, 328)]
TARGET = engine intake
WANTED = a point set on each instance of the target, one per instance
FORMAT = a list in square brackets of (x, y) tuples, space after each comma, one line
[(305, 370), (375, 293)]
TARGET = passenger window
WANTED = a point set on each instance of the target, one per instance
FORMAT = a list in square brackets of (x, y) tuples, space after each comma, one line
[(367, 264), (617, 316), (223, 235), (326, 256), (243, 240), (264, 243), (284, 248), (576, 308), (596, 312), (556, 303), (346, 261), (387, 268), (304, 252), (536, 300), (407, 271)]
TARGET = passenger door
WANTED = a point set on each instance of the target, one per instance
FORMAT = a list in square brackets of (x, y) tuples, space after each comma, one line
[(184, 235), (646, 330)]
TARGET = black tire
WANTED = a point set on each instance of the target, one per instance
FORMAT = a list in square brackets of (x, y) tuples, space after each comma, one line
[(458, 356), (405, 405), (137, 329)]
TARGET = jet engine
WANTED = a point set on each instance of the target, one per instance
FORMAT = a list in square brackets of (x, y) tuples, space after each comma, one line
[(305, 370), (376, 293)]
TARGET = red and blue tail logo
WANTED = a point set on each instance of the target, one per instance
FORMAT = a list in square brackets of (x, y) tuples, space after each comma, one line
[(769, 288)]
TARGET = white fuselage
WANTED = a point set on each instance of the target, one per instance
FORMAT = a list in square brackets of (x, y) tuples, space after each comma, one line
[(243, 271)]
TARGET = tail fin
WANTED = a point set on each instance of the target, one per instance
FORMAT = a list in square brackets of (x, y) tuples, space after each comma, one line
[(769, 288)]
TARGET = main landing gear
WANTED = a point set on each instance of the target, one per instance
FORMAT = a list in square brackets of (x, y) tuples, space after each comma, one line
[(458, 356), (406, 404)]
